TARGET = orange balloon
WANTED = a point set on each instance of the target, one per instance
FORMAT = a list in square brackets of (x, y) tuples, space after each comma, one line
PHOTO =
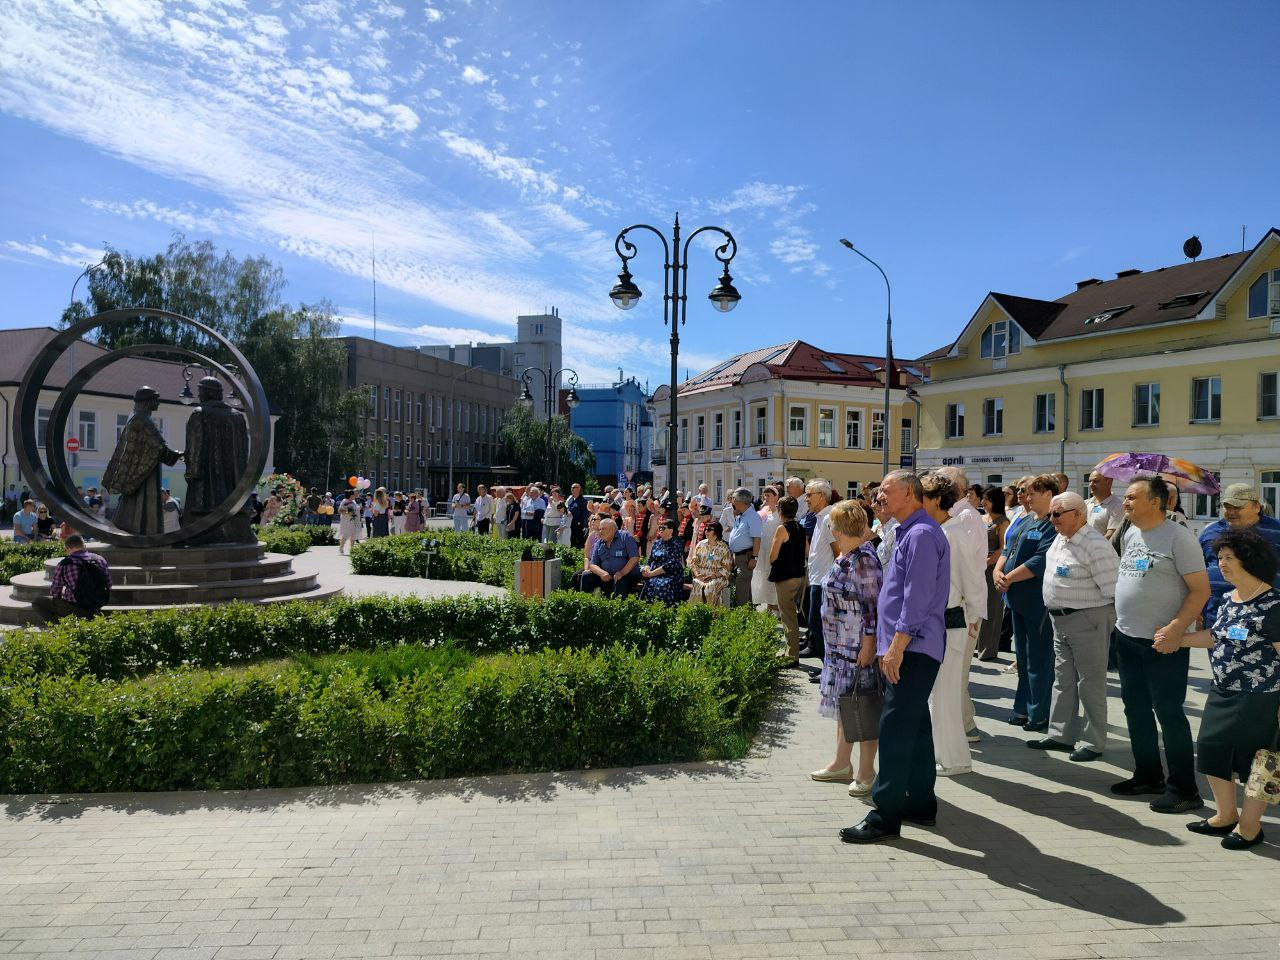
[(352, 480)]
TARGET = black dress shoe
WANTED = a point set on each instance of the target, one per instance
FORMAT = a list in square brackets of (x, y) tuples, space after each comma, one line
[(1036, 727), (1175, 803), (1133, 787), (1018, 720), (1084, 755), (1233, 841), (1049, 744), (805, 652), (865, 833), (1206, 829)]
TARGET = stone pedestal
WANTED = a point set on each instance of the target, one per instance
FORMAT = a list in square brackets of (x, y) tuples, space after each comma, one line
[(164, 577)]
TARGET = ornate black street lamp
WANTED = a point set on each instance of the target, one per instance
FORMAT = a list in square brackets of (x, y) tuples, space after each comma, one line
[(549, 378), (888, 349), (675, 272)]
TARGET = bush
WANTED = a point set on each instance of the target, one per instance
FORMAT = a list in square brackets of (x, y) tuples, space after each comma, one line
[(375, 688), (319, 534), (16, 558), (461, 556), (284, 540)]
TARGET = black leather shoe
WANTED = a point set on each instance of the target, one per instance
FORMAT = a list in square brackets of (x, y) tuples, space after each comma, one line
[(1049, 744), (815, 677), (920, 821), (1018, 720), (805, 652), (865, 833), (1175, 803), (1233, 841), (1036, 727), (1133, 787), (1206, 829), (1084, 755)]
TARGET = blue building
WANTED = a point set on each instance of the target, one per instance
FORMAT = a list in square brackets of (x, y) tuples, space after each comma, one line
[(612, 419)]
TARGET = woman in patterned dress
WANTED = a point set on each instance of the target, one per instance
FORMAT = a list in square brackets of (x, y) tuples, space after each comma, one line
[(663, 574), (849, 595), (712, 566), (1243, 709)]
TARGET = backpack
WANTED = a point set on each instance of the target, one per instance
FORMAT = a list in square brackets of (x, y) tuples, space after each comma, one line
[(92, 590)]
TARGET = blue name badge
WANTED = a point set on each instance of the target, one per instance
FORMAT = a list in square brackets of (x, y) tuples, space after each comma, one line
[(619, 553), (1035, 534), (1063, 570), (1142, 564), (1237, 632)]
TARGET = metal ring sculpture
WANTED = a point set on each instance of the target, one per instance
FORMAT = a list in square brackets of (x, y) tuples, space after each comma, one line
[(59, 490)]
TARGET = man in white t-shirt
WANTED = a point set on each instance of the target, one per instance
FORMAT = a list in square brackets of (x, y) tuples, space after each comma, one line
[(974, 538), (822, 554), (795, 488), (1103, 510), (701, 499)]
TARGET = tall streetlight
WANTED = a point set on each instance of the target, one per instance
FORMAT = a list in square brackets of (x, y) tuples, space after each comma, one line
[(675, 307), (549, 378), (888, 347)]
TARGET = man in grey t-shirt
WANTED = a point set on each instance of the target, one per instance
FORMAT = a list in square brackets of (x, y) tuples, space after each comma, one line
[(1160, 591)]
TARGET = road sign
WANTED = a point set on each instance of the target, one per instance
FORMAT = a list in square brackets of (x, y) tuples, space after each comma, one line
[(73, 445), (906, 461)]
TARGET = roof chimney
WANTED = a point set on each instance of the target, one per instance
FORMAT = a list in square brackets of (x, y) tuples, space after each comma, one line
[(1081, 284), (1121, 274)]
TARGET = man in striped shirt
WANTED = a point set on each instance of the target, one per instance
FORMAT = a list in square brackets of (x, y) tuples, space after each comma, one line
[(1079, 592)]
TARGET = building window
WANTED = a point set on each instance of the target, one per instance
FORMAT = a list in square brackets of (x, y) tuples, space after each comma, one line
[(518, 359), (851, 490), (396, 418), (717, 432), (87, 431), (373, 402), (438, 451), (798, 427), (719, 490), (853, 429), (684, 435), (395, 447), (1091, 409), (877, 429), (1269, 490), (1046, 414), (1001, 339), (1146, 404), (122, 421), (537, 329), (1264, 295), (386, 445), (737, 431), (993, 416), (417, 449), (439, 411), (826, 427), (700, 434), (762, 426), (42, 426), (386, 403), (1205, 507), (907, 435), (418, 410), (1268, 406), (1206, 399), (954, 427)]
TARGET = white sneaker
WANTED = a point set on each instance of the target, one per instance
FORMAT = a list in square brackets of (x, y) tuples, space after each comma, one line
[(826, 775), (859, 789), (973, 736), (952, 771)]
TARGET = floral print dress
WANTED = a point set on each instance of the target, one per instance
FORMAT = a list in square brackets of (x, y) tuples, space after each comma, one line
[(849, 595), (669, 587)]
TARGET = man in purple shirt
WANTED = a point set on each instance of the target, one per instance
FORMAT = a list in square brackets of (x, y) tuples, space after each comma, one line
[(911, 637)]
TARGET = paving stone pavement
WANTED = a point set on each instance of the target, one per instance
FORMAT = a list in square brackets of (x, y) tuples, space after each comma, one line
[(1031, 858)]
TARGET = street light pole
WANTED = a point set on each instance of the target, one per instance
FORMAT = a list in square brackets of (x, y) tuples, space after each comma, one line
[(549, 378), (675, 307), (888, 348)]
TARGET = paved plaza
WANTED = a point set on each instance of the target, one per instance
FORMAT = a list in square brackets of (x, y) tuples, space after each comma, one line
[(1031, 858)]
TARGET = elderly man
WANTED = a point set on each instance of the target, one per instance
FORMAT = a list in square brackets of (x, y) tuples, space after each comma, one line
[(974, 536), (1079, 592), (744, 543), (1103, 509), (885, 526), (701, 499), (1161, 591), (822, 554), (614, 562), (532, 507), (795, 488), (1063, 481), (484, 510), (911, 637), (579, 514), (1241, 510)]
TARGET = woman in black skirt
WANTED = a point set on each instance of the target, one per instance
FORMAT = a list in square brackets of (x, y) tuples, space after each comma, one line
[(1243, 709)]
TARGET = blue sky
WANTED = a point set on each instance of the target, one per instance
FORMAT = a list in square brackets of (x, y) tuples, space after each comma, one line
[(492, 149)]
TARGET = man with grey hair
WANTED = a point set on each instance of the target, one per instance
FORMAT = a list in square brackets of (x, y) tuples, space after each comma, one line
[(614, 562), (822, 554), (795, 488), (1079, 592), (744, 543), (974, 540)]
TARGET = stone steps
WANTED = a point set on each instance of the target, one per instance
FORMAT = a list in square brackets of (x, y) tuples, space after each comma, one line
[(268, 565), (28, 586)]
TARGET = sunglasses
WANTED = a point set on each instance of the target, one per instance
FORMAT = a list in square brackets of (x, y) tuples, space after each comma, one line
[(1058, 513)]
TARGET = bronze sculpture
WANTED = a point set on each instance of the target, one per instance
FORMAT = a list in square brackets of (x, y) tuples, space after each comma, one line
[(217, 453), (134, 468)]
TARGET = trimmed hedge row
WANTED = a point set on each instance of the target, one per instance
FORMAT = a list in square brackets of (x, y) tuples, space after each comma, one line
[(16, 558), (580, 682), (462, 556), (284, 540)]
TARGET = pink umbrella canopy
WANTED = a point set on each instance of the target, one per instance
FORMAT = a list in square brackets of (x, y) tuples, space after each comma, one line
[(1184, 474)]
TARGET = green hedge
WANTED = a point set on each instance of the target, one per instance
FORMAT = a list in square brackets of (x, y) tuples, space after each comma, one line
[(16, 558), (284, 540), (467, 557), (320, 535), (572, 682)]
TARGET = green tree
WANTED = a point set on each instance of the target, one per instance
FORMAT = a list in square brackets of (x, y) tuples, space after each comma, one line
[(526, 441)]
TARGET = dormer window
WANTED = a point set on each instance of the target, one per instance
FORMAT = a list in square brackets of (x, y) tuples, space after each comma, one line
[(1109, 314), (1264, 295), (1000, 339)]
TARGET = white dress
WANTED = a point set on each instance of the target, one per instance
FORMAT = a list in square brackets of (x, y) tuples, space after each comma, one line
[(762, 590)]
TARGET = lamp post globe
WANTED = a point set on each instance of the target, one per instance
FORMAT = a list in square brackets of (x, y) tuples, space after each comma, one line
[(725, 296), (625, 294)]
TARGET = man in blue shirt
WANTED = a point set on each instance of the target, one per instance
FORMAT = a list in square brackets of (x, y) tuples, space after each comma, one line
[(24, 523), (911, 638), (614, 562), (1241, 510), (744, 543)]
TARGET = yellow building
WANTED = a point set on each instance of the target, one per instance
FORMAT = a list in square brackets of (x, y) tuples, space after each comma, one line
[(787, 410), (1182, 360)]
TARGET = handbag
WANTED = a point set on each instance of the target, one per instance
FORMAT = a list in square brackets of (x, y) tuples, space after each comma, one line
[(953, 618), (860, 707), (1264, 775)]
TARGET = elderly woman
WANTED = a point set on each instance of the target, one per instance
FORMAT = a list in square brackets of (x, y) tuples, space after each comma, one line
[(965, 609), (762, 588), (1240, 716), (662, 575), (712, 566), (850, 592)]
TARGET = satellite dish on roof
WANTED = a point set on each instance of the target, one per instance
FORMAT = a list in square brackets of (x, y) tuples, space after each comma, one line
[(1192, 248)]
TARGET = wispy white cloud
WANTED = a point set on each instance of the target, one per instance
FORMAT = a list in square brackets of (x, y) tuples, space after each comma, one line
[(62, 253), (188, 217), (473, 74)]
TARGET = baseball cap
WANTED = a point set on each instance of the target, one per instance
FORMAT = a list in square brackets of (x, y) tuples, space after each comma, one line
[(1238, 494)]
